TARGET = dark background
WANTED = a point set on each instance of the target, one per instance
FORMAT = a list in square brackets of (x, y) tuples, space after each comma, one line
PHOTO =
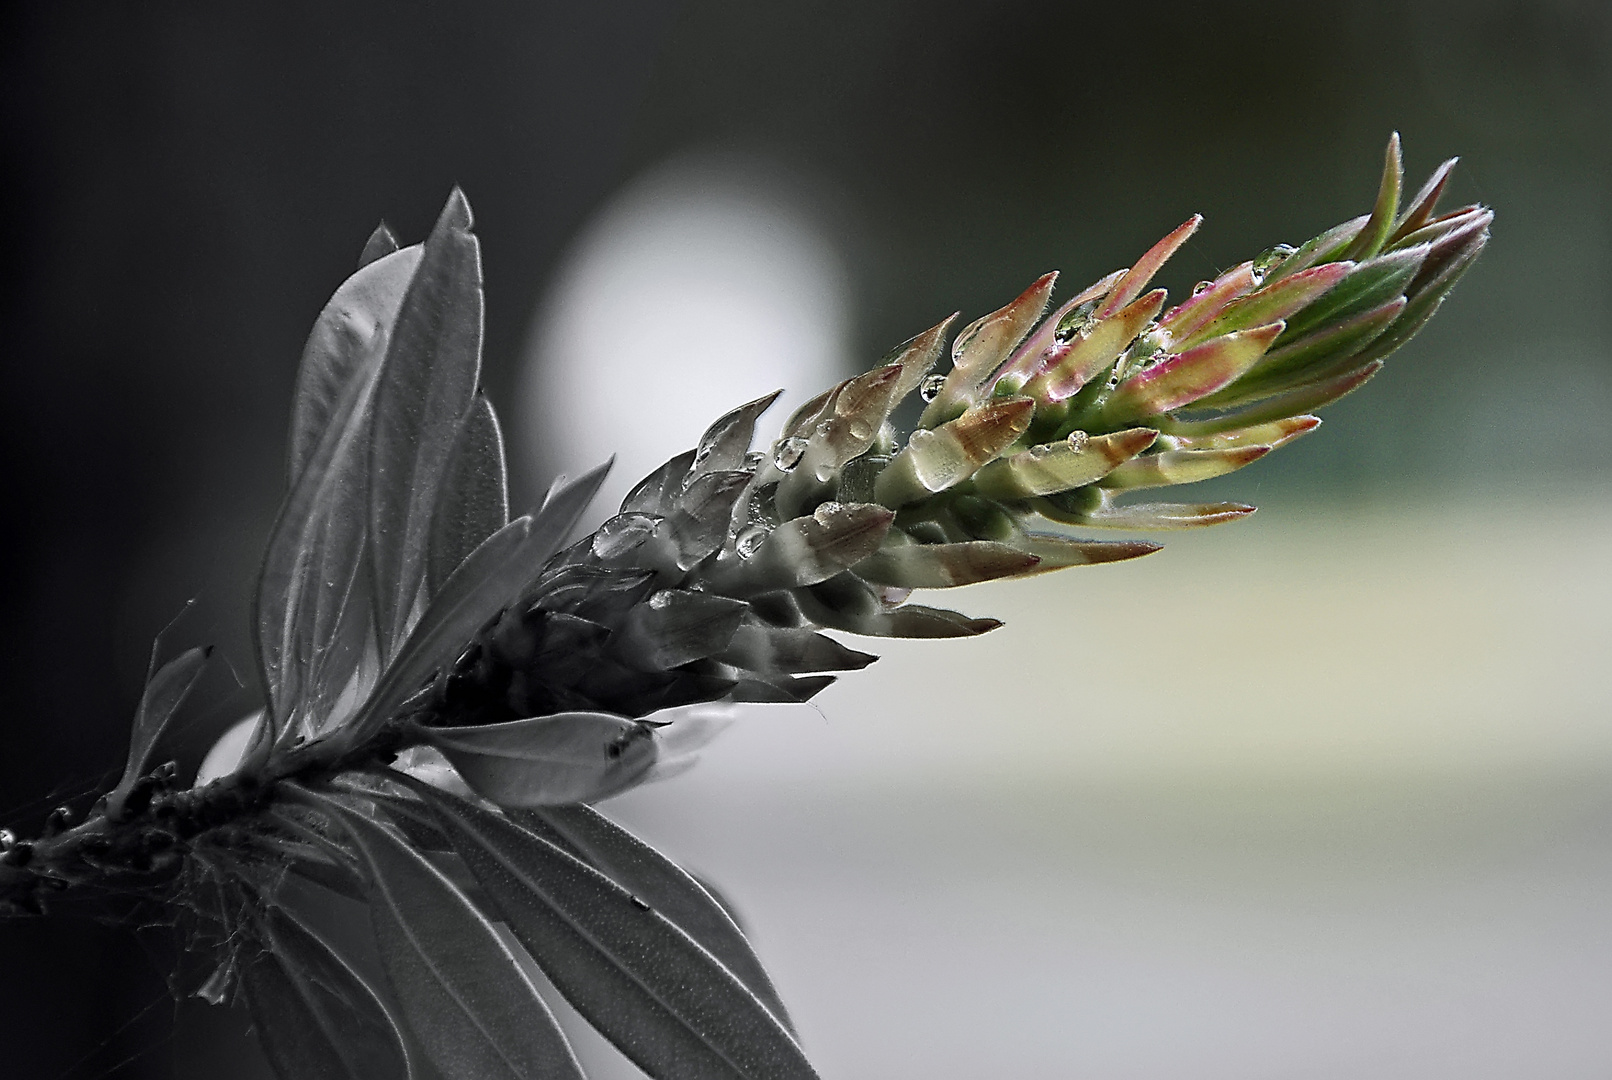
[(189, 183)]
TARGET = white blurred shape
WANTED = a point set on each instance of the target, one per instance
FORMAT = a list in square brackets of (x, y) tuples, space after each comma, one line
[(700, 286)]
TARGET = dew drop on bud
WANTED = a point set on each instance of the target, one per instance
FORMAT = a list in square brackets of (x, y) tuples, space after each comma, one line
[(826, 428), (749, 539), (931, 387), (860, 430), (1202, 287), (1270, 259), (753, 460), (1078, 440), (787, 454), (8, 839), (1039, 451), (918, 438)]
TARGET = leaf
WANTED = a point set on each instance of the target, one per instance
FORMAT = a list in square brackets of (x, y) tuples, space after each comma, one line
[(677, 625), (381, 243), (314, 554), (1381, 223), (669, 1005), (548, 760), (982, 346), (164, 692), (773, 650), (1421, 208), (349, 337), (1136, 278), (315, 1016), (490, 579), (460, 989), (846, 602), (1180, 467), (1052, 467), (660, 883), (941, 566), (657, 493), (427, 384), (725, 442), (807, 549), (934, 460), (474, 502)]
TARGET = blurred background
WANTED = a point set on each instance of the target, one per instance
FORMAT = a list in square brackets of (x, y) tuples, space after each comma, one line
[(1324, 794)]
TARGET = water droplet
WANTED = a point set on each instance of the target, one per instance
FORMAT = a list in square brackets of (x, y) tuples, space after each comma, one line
[(827, 512), (660, 600), (824, 472), (1270, 259), (931, 387), (1202, 287), (787, 454), (1039, 451), (1077, 321), (749, 539), (8, 839), (860, 429), (826, 428), (918, 438), (701, 456), (1078, 441), (753, 460)]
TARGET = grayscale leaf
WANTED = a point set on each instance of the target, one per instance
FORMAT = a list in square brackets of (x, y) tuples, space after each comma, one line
[(427, 383), (349, 336), (661, 884), (460, 989), (314, 554), (474, 502), (548, 760), (380, 244), (664, 1001), (315, 1016)]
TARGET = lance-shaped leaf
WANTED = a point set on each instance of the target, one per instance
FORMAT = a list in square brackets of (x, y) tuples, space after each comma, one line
[(1180, 467), (677, 625), (1196, 373), (462, 992), (380, 244), (1028, 356), (1277, 407), (316, 1018), (1068, 367), (1421, 208), (917, 356), (660, 883), (1316, 357), (1059, 466), (165, 690), (349, 336), (1145, 517), (699, 524), (807, 549), (982, 346), (657, 492), (1325, 248), (1193, 314), (934, 460), (1273, 434), (940, 566), (489, 580), (1136, 279), (427, 384), (846, 602), (548, 760), (771, 650), (725, 442), (1059, 552), (314, 554), (1271, 304), (1380, 224), (661, 998), (1423, 305), (846, 428), (1467, 236), (1369, 285), (474, 502)]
